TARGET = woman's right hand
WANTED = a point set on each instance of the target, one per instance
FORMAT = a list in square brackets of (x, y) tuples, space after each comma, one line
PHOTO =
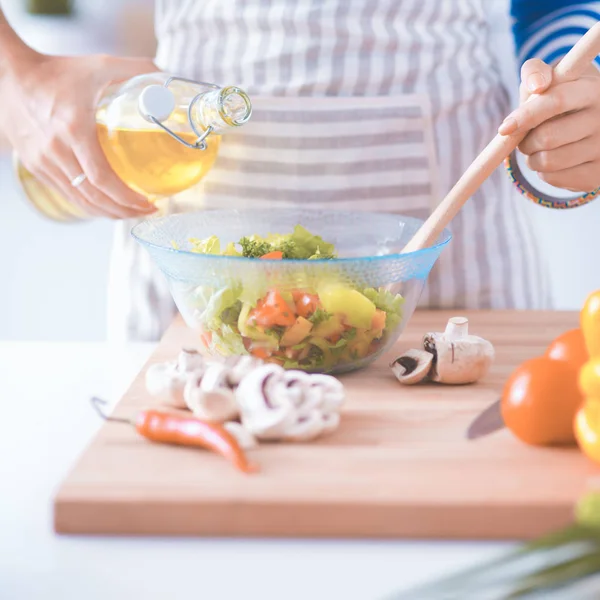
[(48, 116)]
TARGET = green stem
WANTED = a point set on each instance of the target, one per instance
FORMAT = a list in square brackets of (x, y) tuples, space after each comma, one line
[(501, 572), (558, 575), (568, 535)]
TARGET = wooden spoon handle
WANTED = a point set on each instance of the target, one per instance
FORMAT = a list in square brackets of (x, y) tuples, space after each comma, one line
[(571, 67)]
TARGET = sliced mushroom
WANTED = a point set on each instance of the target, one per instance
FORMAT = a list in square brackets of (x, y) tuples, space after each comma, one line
[(306, 428), (316, 399), (287, 405), (239, 366), (459, 358), (412, 367), (265, 408), (209, 396), (297, 384), (330, 422), (166, 381), (189, 360)]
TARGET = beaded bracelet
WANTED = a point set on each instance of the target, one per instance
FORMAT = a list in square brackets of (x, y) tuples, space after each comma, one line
[(541, 198)]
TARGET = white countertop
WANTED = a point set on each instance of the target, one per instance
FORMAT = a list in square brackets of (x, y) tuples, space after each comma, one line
[(46, 421)]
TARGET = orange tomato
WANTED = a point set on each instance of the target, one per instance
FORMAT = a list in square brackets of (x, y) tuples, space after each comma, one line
[(275, 255), (540, 400), (569, 346)]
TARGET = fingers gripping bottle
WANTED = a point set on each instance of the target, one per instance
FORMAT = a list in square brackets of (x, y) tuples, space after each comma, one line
[(159, 133)]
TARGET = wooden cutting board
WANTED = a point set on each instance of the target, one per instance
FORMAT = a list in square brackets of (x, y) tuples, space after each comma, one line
[(399, 465)]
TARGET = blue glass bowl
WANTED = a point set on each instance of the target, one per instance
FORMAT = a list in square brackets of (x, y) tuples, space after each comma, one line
[(365, 297)]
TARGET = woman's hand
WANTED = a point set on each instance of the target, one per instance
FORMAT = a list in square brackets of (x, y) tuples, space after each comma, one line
[(563, 143), (48, 115)]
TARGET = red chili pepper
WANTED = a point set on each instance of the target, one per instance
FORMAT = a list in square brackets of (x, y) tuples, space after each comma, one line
[(182, 430), (206, 338)]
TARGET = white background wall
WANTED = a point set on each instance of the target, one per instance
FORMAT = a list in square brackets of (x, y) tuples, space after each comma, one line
[(53, 277)]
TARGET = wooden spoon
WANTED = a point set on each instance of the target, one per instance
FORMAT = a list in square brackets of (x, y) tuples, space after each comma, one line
[(571, 67)]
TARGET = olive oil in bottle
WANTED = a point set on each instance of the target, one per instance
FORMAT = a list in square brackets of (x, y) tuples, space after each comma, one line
[(160, 135)]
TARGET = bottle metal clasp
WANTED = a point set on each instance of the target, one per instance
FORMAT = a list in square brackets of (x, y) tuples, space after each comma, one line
[(156, 106)]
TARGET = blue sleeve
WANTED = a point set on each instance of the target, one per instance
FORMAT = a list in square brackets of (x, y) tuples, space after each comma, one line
[(548, 29)]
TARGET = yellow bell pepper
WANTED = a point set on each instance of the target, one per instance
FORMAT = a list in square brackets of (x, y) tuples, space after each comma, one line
[(587, 420)]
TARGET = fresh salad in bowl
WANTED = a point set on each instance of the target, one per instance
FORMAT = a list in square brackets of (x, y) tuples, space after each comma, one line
[(324, 325)]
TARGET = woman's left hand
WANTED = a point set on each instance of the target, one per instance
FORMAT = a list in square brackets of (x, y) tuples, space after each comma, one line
[(563, 143)]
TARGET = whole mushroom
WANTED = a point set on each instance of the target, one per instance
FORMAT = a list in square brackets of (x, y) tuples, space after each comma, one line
[(453, 357), (459, 358)]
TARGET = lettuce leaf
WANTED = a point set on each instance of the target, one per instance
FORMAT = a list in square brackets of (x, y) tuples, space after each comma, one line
[(305, 245), (319, 316), (390, 303), (231, 250), (210, 245), (217, 304), (231, 314), (251, 293), (228, 341), (299, 245)]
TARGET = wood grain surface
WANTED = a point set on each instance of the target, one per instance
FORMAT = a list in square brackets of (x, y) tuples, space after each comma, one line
[(399, 466)]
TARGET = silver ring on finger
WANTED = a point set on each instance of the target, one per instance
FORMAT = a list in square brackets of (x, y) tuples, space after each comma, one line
[(77, 181)]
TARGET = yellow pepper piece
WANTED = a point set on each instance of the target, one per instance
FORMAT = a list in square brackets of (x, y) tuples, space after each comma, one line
[(587, 420), (589, 379), (590, 324), (587, 428)]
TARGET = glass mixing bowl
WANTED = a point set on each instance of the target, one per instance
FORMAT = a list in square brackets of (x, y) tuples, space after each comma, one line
[(331, 315)]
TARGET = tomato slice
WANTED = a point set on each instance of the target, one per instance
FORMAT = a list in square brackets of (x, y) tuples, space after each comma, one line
[(260, 353), (379, 319), (275, 255), (306, 304), (285, 315), (272, 311)]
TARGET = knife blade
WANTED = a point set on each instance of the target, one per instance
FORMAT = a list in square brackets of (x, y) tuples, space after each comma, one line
[(489, 421)]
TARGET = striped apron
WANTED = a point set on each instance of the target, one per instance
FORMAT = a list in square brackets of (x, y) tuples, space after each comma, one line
[(375, 105)]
